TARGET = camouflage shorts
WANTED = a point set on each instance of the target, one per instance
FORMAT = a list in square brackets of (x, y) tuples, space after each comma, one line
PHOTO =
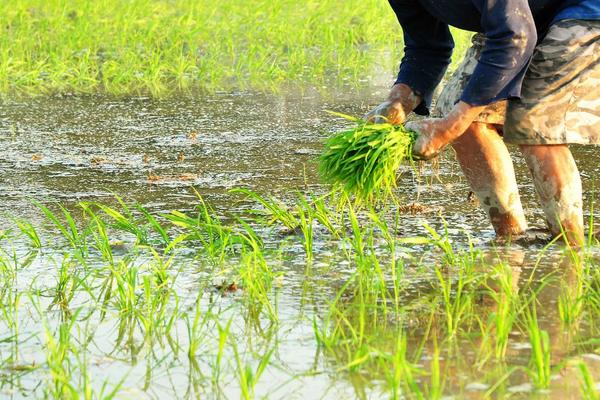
[(560, 98), (494, 113)]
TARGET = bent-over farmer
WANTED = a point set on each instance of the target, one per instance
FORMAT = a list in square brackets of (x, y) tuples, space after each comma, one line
[(531, 75)]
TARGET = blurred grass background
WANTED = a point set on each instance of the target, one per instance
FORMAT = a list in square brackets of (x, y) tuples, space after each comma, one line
[(160, 47)]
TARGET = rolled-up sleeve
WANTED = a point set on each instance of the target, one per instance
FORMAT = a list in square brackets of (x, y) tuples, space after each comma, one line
[(428, 49), (511, 37)]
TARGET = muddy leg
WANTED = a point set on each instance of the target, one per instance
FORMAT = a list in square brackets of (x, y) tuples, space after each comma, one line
[(558, 185), (487, 165)]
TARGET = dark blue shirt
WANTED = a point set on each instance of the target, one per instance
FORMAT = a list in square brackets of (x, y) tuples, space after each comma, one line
[(511, 27)]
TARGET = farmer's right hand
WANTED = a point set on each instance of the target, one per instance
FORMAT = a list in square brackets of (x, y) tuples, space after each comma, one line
[(401, 101), (388, 111)]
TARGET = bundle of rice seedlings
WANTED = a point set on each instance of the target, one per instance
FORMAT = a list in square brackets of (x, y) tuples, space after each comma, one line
[(365, 160)]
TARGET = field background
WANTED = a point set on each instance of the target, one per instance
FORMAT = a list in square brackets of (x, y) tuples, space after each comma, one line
[(161, 47)]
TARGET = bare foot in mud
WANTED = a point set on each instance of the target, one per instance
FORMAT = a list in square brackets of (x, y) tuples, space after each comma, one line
[(531, 237), (540, 237)]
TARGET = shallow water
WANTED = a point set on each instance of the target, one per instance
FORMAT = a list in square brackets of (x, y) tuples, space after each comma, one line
[(157, 152), (154, 151)]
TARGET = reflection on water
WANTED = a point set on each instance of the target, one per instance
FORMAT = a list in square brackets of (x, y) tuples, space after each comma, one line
[(154, 151), (158, 152)]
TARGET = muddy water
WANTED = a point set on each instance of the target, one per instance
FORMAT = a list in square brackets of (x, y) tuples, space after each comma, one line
[(157, 152), (154, 151)]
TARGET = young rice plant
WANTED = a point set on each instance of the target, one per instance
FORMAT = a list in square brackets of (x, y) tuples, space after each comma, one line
[(364, 160)]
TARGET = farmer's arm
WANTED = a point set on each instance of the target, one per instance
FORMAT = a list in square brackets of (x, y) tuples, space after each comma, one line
[(511, 37), (428, 46)]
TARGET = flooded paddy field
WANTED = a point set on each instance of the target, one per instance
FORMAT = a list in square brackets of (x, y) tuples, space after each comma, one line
[(133, 266)]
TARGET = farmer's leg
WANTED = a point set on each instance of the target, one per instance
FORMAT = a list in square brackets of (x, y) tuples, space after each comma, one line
[(481, 153), (559, 105), (487, 165), (558, 185)]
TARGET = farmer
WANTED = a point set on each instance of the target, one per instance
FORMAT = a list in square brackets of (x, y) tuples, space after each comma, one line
[(532, 76)]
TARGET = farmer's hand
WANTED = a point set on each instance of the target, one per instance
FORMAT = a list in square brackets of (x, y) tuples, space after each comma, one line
[(401, 101), (433, 134)]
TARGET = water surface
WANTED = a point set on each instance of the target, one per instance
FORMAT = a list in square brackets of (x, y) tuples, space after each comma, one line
[(158, 152)]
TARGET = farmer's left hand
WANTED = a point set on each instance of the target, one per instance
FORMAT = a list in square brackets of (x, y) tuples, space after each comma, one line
[(433, 134)]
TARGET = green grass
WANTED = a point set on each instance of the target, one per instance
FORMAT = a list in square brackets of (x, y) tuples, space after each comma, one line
[(161, 47), (103, 301)]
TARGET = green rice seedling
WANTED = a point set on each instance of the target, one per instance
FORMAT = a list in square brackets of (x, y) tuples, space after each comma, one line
[(8, 267), (156, 226), (214, 238), (255, 274), (587, 386), (216, 370), (142, 304), (540, 361), (125, 221), (123, 297), (218, 240), (69, 229), (58, 351), (592, 240), (257, 282), (248, 376), (327, 334), (504, 316), (457, 294), (306, 216), (101, 240), (330, 219), (357, 316), (444, 243), (29, 230), (349, 347), (578, 286), (151, 314), (396, 268), (364, 160), (368, 284), (342, 331), (357, 238), (105, 290), (146, 300), (435, 388), (274, 209), (10, 301), (571, 302), (591, 298), (378, 220), (401, 373), (249, 239), (373, 282), (67, 285)]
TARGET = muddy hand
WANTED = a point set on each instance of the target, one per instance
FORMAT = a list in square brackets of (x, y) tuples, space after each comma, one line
[(430, 137), (401, 101), (388, 111)]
